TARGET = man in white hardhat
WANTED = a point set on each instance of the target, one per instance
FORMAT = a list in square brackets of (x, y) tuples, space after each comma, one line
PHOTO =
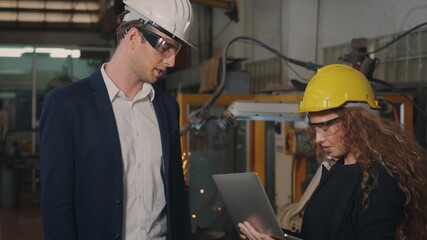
[(110, 143)]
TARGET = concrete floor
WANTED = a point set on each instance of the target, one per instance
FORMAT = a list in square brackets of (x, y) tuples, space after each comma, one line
[(20, 216), (21, 223)]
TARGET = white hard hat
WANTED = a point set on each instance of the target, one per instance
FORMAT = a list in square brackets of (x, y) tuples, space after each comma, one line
[(172, 17)]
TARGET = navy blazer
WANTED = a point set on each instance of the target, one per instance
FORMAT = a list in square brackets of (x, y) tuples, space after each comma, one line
[(81, 164)]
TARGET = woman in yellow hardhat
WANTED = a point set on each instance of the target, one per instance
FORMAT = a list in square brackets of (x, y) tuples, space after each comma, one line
[(376, 187)]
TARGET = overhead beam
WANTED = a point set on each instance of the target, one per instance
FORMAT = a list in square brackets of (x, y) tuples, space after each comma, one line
[(224, 4), (51, 5), (31, 10), (52, 11), (51, 17)]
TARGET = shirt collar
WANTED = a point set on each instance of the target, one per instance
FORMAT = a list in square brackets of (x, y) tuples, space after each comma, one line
[(113, 90), (147, 90)]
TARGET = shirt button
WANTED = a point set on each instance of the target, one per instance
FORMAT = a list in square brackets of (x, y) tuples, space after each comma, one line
[(117, 236), (118, 201)]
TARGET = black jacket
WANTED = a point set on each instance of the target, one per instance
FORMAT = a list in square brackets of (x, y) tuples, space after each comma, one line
[(350, 219)]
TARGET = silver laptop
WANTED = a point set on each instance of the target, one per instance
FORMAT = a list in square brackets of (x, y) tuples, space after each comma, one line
[(245, 200)]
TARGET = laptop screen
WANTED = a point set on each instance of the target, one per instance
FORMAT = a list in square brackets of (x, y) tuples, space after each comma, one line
[(245, 200)]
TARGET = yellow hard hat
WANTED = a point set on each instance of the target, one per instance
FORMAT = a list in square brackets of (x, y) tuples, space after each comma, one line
[(333, 86)]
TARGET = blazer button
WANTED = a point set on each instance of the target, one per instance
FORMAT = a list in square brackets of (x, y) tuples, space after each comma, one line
[(118, 201), (116, 236)]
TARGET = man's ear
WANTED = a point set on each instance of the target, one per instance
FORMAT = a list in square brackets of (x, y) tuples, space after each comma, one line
[(132, 37)]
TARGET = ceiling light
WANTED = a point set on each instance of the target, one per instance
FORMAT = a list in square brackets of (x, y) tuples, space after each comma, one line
[(40, 17), (14, 52), (53, 52)]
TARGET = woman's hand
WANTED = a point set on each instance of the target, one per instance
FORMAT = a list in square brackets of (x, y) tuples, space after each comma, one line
[(248, 232)]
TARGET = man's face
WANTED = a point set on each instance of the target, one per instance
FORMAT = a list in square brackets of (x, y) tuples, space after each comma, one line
[(151, 63)]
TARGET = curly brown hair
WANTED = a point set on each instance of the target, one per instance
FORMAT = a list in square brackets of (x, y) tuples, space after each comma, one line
[(375, 140)]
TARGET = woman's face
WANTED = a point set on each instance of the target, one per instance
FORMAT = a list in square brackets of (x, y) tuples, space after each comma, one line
[(329, 135)]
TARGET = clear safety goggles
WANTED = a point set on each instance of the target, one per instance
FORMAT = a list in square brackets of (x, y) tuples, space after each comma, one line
[(325, 128), (166, 47)]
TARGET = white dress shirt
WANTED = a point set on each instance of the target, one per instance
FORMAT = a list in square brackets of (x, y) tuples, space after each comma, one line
[(144, 194)]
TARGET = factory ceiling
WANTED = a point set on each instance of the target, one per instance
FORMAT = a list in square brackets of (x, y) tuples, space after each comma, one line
[(49, 14), (59, 16), (87, 25), (66, 16)]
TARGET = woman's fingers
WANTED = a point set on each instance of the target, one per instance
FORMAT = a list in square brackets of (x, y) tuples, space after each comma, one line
[(248, 231)]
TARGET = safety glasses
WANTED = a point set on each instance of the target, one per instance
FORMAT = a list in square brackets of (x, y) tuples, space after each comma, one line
[(166, 47), (325, 128)]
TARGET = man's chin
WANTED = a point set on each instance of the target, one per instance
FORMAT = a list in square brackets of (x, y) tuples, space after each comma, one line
[(153, 80)]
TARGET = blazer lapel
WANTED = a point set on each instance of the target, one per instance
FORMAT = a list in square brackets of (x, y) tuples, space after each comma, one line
[(344, 204), (105, 108), (159, 108), (326, 174)]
